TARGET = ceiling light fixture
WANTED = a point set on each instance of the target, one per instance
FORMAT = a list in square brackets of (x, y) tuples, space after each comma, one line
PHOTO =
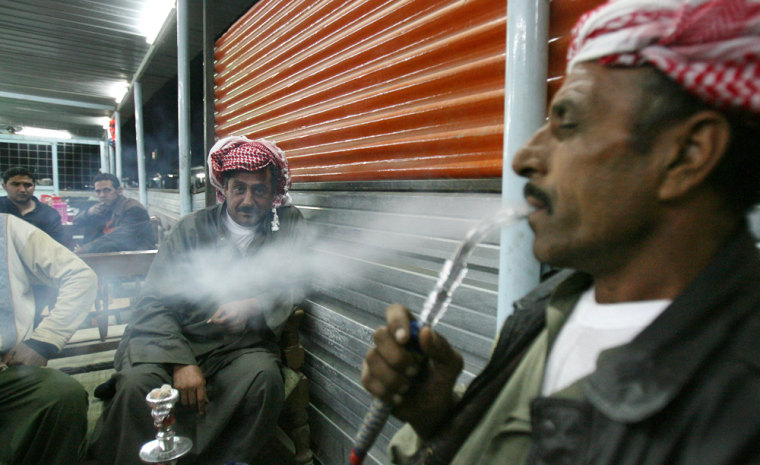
[(41, 132), (119, 90), (153, 18)]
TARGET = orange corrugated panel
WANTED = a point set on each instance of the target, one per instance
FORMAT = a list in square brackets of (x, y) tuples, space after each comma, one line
[(373, 89), (563, 15)]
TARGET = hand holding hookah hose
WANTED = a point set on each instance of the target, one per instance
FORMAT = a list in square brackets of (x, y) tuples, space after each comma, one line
[(434, 308)]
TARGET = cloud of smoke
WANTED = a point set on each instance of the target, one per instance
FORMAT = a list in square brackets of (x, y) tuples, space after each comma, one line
[(322, 260)]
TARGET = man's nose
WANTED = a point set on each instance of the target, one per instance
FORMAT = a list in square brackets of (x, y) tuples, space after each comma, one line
[(248, 199), (530, 159)]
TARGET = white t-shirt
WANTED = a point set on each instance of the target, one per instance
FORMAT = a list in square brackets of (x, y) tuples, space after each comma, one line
[(590, 329), (239, 235)]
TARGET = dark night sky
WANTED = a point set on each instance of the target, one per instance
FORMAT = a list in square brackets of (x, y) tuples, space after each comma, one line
[(160, 128)]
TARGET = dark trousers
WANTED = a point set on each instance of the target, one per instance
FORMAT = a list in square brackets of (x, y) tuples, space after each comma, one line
[(245, 399), (43, 417)]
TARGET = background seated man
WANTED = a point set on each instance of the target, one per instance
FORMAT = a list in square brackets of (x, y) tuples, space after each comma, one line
[(116, 223), (641, 179), (209, 317), (19, 183), (43, 412)]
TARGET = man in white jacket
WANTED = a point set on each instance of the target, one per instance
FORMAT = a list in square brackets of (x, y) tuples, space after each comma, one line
[(43, 412)]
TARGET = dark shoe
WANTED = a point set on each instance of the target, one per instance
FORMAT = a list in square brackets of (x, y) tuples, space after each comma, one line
[(106, 391)]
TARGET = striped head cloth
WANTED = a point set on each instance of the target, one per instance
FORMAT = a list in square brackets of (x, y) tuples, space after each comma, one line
[(709, 47), (240, 153)]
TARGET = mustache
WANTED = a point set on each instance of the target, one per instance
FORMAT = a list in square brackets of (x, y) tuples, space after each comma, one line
[(530, 190)]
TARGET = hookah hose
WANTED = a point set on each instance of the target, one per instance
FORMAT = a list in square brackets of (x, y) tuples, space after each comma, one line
[(379, 411), (435, 306)]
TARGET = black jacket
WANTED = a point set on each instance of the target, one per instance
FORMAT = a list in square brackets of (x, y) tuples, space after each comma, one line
[(43, 216), (685, 391), (130, 228)]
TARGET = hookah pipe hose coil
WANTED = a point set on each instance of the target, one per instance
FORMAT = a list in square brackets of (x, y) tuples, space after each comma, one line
[(434, 308)]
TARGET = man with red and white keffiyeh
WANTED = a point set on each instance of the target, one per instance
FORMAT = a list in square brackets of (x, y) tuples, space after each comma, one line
[(644, 350), (210, 315)]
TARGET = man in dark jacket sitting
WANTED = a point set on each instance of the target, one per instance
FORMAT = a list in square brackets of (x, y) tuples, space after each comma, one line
[(19, 183), (116, 223)]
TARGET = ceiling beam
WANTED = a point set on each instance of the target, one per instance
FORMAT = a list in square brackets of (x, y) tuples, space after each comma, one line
[(56, 101)]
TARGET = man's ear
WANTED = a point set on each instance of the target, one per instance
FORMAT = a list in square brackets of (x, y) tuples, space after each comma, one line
[(698, 145)]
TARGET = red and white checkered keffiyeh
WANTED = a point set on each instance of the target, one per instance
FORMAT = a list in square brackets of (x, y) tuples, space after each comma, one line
[(709, 47), (240, 153)]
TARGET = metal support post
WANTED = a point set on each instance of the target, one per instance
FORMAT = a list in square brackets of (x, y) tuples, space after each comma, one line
[(183, 100), (54, 161), (524, 112), (137, 94), (118, 145), (103, 156)]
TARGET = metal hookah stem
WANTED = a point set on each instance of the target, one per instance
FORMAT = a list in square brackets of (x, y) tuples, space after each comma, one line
[(434, 308), (455, 268)]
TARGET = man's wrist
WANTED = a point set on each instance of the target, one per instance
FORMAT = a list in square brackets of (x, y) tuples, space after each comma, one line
[(45, 349), (178, 367), (428, 429)]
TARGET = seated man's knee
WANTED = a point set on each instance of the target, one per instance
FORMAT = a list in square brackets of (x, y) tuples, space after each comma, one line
[(258, 377), (59, 389), (140, 379), (271, 376), (269, 381)]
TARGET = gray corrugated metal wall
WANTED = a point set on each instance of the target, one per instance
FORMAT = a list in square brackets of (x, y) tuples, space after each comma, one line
[(395, 245)]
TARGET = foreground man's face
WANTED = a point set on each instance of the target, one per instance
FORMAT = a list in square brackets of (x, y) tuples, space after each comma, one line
[(593, 194), (249, 196)]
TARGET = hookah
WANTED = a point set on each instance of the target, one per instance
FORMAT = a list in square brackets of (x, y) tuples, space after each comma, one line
[(166, 448), (435, 306)]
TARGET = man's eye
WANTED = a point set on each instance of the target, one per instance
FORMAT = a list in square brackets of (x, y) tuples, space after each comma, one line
[(566, 129)]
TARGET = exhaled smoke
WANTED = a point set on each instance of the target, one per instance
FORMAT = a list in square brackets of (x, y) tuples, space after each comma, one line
[(210, 278)]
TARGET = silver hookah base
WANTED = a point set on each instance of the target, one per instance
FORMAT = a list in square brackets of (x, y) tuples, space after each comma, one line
[(151, 451)]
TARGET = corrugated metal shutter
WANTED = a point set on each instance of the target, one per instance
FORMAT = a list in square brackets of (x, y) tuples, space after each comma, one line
[(375, 89), (368, 89), (563, 16), (409, 234)]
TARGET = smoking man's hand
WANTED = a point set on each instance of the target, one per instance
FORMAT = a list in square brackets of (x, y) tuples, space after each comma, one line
[(191, 384), (97, 209), (22, 354), (420, 389), (232, 317)]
